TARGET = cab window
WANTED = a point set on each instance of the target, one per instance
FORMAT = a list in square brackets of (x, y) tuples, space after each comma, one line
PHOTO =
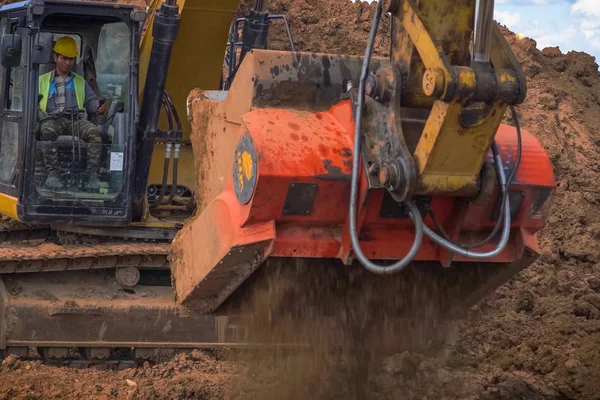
[(81, 143)]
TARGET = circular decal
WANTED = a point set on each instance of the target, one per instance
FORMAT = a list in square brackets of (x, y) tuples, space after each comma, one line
[(244, 169)]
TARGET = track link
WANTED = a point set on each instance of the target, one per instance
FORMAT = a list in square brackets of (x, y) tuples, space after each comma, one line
[(45, 257), (97, 357), (32, 248)]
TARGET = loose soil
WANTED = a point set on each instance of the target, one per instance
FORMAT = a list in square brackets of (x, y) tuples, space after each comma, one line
[(537, 337)]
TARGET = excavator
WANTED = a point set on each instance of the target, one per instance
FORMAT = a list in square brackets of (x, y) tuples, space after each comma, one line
[(386, 189)]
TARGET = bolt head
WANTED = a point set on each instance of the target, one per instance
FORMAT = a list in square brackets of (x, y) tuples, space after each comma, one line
[(385, 176), (434, 82)]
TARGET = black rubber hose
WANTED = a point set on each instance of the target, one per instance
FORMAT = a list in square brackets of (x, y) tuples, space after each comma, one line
[(168, 113), (163, 187), (412, 209), (506, 225), (505, 194), (175, 171)]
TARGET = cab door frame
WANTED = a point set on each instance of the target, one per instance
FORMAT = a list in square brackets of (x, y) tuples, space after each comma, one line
[(34, 208), (12, 149)]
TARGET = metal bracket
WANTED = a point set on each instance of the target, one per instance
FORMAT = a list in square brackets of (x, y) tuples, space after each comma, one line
[(300, 198), (385, 143), (171, 136), (391, 209)]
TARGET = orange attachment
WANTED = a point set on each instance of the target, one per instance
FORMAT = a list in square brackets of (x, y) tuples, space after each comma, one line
[(299, 205)]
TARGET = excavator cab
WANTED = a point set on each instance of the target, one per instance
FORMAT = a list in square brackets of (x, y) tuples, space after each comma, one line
[(49, 150)]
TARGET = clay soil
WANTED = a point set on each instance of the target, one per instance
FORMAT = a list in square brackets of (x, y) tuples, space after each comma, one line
[(537, 337)]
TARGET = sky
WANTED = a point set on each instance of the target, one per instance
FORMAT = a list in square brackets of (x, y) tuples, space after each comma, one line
[(568, 24)]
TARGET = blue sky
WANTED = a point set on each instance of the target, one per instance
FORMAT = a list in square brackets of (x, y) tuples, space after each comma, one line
[(568, 24)]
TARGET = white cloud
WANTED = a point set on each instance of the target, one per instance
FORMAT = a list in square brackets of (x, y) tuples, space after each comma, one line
[(588, 15), (507, 18), (569, 24)]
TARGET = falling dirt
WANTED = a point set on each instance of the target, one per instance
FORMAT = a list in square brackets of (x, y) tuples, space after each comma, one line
[(537, 337)]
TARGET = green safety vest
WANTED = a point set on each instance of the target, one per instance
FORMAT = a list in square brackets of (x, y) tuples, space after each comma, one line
[(44, 89)]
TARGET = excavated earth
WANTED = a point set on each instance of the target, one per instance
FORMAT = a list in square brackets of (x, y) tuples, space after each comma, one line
[(537, 337)]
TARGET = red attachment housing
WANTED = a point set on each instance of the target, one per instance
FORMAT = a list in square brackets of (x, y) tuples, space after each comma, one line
[(315, 149)]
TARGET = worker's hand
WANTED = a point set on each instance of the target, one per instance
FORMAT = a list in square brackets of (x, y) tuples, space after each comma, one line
[(102, 107)]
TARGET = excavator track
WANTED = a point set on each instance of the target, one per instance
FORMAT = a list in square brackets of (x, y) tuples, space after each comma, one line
[(32, 248), (85, 317), (104, 358), (47, 256), (12, 231)]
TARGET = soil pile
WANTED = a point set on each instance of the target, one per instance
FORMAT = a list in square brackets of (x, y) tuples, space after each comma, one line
[(544, 326), (186, 376)]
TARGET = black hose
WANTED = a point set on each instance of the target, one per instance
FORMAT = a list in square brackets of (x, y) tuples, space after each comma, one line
[(168, 113), (509, 182), (506, 224), (173, 111), (163, 188), (412, 209), (175, 170), (439, 226), (289, 33)]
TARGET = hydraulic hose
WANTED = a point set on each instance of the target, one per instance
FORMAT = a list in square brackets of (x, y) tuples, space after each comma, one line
[(509, 182), (412, 209), (413, 212), (175, 168), (163, 188), (505, 227)]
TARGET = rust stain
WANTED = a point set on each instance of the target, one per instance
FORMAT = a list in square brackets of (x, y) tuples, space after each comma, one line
[(324, 151), (345, 152)]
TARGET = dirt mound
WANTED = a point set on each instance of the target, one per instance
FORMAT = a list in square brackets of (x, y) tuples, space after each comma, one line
[(333, 26), (545, 324), (195, 375)]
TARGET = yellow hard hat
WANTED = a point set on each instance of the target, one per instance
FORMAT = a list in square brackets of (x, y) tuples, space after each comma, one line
[(66, 46)]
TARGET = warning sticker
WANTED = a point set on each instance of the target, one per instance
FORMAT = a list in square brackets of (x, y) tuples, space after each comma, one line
[(116, 161)]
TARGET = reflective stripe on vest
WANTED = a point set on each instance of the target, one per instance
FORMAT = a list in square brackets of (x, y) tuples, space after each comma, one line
[(44, 89)]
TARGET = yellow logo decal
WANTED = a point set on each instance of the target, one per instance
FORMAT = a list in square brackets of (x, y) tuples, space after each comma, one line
[(244, 163), (247, 164), (240, 173)]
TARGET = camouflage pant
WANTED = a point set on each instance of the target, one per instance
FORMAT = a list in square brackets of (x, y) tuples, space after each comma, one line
[(52, 128)]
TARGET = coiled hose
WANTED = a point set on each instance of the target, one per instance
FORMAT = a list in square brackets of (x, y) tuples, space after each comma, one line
[(420, 227), (413, 212)]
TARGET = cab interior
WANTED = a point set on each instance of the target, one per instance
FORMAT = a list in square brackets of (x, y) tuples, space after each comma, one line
[(104, 48)]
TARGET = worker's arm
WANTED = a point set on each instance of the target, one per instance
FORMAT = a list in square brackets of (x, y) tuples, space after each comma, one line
[(91, 101), (92, 104)]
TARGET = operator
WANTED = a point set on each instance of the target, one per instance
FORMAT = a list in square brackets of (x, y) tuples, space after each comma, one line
[(67, 101)]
